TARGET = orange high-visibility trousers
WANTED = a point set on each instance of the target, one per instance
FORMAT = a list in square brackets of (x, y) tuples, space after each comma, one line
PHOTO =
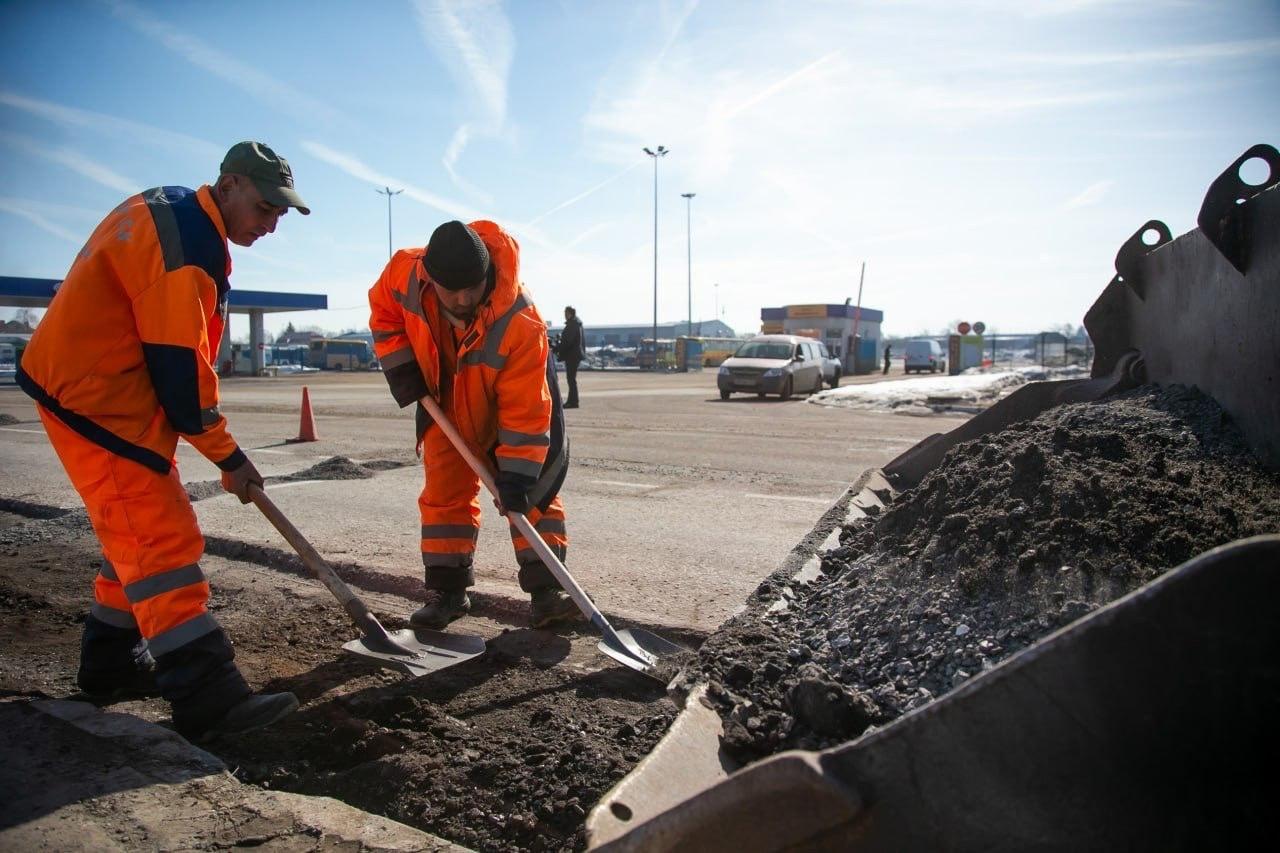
[(151, 579), (449, 506)]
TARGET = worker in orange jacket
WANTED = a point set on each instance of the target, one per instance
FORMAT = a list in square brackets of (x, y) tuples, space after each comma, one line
[(120, 367), (452, 321)]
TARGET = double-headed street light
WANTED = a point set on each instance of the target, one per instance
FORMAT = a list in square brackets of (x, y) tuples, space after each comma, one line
[(688, 226), (661, 152), (388, 192)]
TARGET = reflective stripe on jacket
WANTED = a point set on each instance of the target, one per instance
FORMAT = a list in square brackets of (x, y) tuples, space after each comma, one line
[(499, 398), (124, 355)]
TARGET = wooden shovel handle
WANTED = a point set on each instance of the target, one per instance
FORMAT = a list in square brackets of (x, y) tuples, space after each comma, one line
[(316, 564), (520, 522)]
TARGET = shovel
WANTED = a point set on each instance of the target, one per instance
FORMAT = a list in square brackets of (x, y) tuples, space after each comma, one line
[(415, 653), (641, 650)]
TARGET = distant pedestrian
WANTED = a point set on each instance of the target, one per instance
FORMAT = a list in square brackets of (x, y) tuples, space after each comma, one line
[(887, 349), (571, 350)]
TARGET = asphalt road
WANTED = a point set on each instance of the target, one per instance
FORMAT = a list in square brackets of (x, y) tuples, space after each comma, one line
[(678, 503)]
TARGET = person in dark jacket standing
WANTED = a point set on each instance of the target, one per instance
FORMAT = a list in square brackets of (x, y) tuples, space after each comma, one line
[(887, 350), (572, 350)]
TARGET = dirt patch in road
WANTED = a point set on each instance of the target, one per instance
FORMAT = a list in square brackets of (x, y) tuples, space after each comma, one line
[(7, 419), (1013, 536), (505, 752), (333, 468)]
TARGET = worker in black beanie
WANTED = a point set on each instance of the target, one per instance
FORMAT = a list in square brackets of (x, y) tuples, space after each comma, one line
[(452, 321)]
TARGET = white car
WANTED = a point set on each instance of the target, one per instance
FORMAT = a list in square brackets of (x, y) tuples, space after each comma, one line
[(832, 368), (773, 364)]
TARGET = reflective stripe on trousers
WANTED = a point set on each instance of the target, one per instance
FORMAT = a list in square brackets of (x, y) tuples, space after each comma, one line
[(450, 510), (151, 577)]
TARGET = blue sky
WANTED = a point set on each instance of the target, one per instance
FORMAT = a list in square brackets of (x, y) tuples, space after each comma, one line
[(986, 159)]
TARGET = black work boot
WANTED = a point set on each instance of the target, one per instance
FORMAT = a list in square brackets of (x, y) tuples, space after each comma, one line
[(551, 605), (442, 607), (115, 664), (252, 712), (201, 682)]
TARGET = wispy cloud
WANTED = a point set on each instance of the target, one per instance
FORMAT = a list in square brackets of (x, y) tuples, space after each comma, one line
[(589, 233), (1091, 194), (73, 160), (1173, 55), (358, 169), (580, 196), (263, 87), (675, 25), (113, 125), (777, 86), (451, 155), (474, 41), (30, 212)]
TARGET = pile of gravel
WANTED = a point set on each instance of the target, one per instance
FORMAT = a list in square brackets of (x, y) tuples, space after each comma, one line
[(1013, 536), (333, 468)]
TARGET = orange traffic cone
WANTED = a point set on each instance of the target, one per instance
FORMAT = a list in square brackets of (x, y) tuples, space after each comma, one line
[(307, 426)]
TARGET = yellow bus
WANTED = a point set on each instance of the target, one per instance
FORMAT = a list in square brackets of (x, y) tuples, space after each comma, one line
[(695, 351)]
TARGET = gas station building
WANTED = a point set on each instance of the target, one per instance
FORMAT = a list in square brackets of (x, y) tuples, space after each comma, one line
[(834, 325)]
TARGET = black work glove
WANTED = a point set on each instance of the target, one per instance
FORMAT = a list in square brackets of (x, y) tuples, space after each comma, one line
[(237, 482), (513, 492)]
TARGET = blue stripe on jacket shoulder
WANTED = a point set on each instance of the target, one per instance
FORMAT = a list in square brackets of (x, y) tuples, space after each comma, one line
[(187, 235)]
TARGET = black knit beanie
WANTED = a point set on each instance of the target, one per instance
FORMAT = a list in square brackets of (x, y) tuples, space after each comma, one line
[(456, 257)]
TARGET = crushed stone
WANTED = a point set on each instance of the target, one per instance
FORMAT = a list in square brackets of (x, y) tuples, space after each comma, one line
[(1013, 536)]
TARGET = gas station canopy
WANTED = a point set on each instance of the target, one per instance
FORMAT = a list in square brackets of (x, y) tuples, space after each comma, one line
[(36, 293)]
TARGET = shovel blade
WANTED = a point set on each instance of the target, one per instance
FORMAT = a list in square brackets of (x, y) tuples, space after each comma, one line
[(644, 651), (417, 653)]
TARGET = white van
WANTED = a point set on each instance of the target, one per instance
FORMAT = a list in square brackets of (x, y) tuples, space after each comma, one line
[(924, 355)]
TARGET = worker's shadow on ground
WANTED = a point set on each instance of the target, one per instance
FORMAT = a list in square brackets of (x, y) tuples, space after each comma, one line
[(523, 655)]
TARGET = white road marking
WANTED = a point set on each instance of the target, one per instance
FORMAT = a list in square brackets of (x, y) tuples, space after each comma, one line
[(16, 429), (628, 485), (184, 446), (791, 498), (294, 483)]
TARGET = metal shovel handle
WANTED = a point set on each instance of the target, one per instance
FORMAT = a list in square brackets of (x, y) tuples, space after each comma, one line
[(522, 524), (355, 608)]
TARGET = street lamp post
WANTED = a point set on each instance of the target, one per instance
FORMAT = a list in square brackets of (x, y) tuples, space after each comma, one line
[(661, 152), (388, 192), (688, 229)]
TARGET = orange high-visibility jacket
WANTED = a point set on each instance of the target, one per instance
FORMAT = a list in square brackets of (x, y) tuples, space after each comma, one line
[(499, 399), (124, 355)]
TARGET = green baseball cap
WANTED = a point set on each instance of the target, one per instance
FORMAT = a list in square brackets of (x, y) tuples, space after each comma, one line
[(269, 172)]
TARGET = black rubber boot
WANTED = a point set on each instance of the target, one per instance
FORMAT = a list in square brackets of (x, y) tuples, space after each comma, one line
[(202, 682), (442, 607), (551, 605), (253, 712), (114, 663)]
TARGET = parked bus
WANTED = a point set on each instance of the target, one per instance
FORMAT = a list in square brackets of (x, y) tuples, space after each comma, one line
[(666, 354), (280, 358), (696, 351), (341, 354)]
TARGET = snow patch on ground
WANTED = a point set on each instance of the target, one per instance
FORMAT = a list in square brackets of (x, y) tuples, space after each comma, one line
[(972, 390)]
